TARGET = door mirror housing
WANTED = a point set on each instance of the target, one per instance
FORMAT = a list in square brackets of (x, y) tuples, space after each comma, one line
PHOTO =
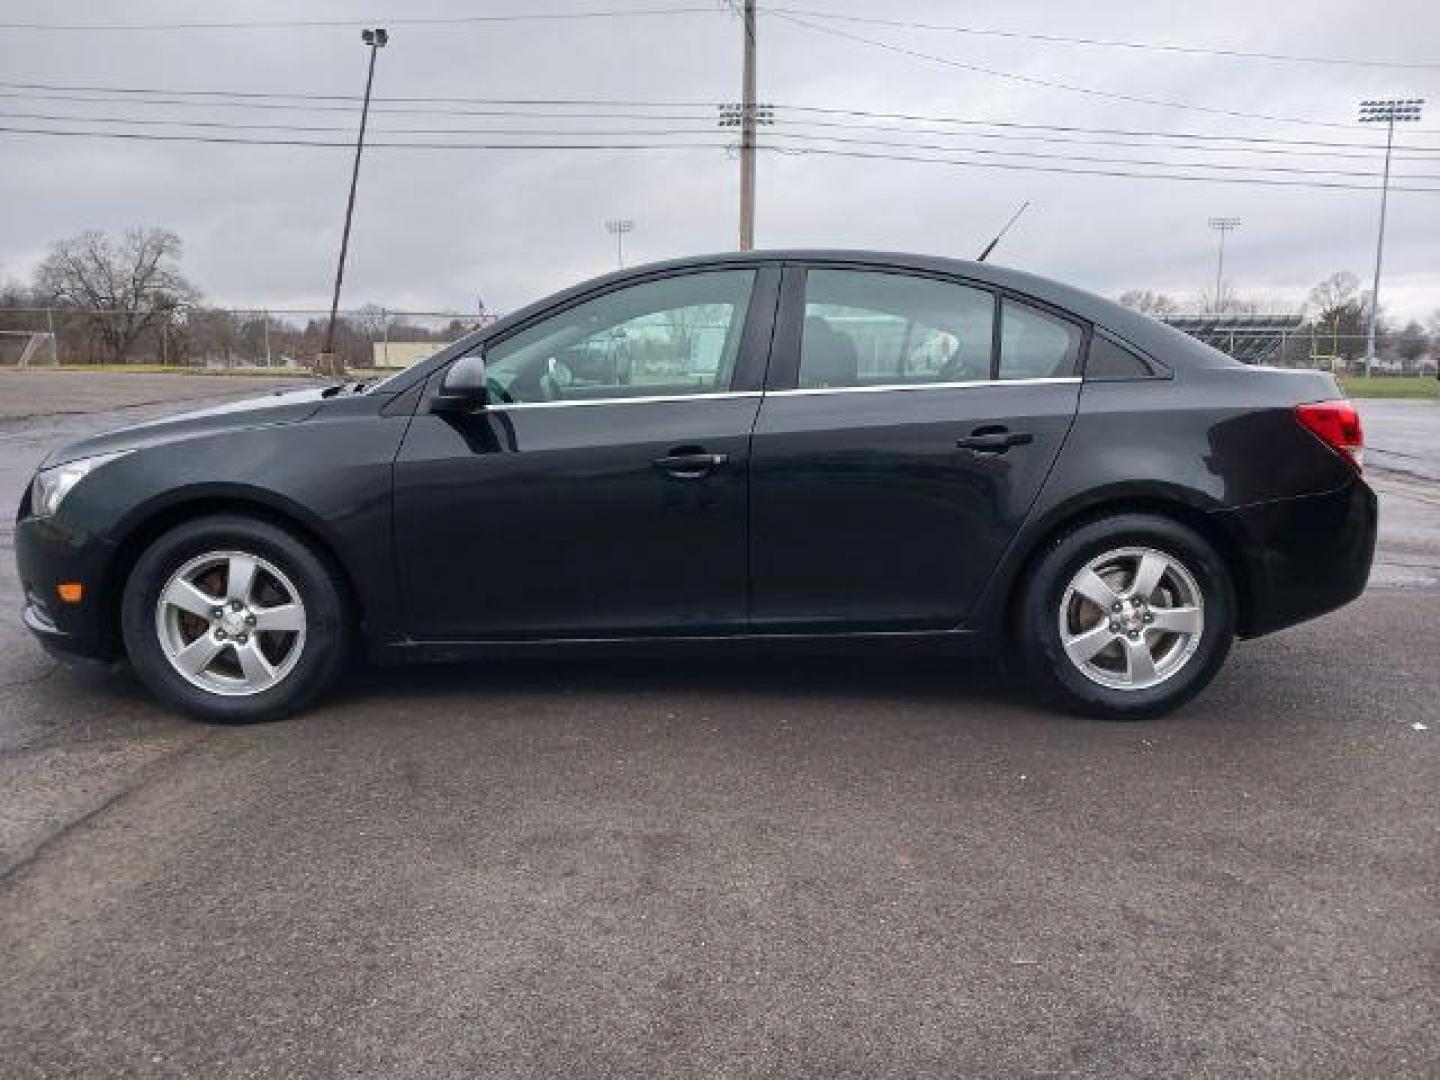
[(463, 387)]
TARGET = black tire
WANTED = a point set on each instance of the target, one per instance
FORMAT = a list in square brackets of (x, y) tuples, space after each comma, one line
[(1038, 624), (326, 642)]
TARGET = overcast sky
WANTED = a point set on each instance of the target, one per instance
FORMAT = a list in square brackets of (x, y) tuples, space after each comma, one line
[(436, 229)]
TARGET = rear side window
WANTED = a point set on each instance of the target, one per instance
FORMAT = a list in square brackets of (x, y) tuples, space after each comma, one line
[(866, 328), (1107, 360), (1036, 345)]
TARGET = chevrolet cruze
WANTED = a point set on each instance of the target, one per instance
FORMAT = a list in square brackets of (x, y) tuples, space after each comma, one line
[(785, 445)]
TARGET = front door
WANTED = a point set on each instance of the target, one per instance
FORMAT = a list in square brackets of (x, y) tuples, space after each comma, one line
[(603, 491), (908, 427)]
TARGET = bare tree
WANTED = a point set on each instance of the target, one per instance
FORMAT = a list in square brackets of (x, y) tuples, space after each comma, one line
[(1340, 309), (1149, 302), (1411, 343), (132, 285)]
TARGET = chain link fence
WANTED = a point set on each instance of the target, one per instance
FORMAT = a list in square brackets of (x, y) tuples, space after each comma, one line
[(375, 338), (209, 339)]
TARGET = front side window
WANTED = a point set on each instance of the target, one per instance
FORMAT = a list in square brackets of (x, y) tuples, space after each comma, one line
[(1036, 345), (673, 336), (867, 328)]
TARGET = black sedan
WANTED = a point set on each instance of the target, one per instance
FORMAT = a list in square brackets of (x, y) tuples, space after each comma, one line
[(782, 445)]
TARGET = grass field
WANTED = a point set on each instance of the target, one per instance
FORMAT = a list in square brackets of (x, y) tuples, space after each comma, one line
[(1391, 386)]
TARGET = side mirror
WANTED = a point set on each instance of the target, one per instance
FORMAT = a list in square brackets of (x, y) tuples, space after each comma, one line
[(463, 387)]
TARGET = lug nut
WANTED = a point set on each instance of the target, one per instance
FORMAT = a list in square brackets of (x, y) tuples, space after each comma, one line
[(1116, 606), (250, 620), (219, 634), (1149, 618), (235, 605), (217, 613), (1134, 635), (240, 639)]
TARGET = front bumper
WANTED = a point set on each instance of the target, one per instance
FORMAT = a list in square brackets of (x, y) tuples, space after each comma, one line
[(1303, 556), (46, 554)]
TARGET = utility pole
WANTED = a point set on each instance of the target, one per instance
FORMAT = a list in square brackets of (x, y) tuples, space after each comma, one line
[(747, 133), (328, 363), (1387, 111), (618, 227), (1222, 225)]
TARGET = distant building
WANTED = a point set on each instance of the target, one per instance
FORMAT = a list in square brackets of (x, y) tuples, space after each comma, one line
[(401, 354)]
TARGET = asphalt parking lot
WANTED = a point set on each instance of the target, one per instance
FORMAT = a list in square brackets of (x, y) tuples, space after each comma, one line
[(734, 864)]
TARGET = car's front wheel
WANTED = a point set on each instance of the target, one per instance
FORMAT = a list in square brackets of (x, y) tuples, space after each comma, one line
[(234, 619), (1127, 616)]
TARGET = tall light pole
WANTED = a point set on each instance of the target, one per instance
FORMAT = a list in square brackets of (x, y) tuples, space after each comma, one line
[(1387, 111), (618, 227), (328, 363), (1222, 225)]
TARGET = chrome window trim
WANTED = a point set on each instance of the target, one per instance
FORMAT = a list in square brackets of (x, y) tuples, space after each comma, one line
[(719, 395), (887, 387), (740, 395)]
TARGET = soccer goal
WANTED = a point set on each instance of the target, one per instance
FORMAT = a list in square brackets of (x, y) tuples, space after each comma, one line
[(27, 348)]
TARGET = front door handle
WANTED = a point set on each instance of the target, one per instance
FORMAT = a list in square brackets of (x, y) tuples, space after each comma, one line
[(993, 440), (689, 465)]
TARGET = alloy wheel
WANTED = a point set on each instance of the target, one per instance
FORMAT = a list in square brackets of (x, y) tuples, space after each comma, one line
[(231, 623), (1131, 618)]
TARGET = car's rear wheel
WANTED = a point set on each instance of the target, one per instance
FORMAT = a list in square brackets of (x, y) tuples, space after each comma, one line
[(1127, 616), (234, 619)]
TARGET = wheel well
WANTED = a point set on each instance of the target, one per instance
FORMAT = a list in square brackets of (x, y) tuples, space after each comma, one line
[(141, 537), (1191, 518)]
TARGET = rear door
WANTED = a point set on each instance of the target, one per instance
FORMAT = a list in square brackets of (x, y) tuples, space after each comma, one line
[(907, 427)]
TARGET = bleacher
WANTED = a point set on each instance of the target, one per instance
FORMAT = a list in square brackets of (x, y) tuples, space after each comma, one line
[(1251, 339)]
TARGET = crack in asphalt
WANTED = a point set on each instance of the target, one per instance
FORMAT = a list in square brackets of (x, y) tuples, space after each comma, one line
[(31, 680), (143, 777)]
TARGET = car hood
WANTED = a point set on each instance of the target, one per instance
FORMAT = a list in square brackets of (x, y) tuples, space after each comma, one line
[(281, 407)]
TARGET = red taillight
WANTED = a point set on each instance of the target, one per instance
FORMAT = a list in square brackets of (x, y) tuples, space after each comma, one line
[(1337, 424)]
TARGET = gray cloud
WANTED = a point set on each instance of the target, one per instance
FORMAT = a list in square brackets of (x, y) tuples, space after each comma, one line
[(436, 229)]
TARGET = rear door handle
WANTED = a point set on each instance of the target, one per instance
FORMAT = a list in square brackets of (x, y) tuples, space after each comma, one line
[(690, 466), (992, 441)]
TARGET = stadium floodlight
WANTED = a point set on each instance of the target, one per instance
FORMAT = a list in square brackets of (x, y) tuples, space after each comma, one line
[(1222, 225), (1387, 111), (618, 227)]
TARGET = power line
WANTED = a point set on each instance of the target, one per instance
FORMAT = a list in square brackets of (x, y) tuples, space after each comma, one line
[(812, 13), (1134, 99), (1263, 181), (1222, 166), (305, 95), (612, 109), (525, 107), (710, 145), (1138, 133), (222, 125), (1370, 153), (327, 24), (349, 144), (804, 136), (1108, 43), (349, 110)]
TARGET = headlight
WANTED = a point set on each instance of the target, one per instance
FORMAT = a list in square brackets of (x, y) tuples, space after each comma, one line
[(52, 485)]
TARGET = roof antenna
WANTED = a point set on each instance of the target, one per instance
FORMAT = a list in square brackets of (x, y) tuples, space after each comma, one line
[(1001, 234)]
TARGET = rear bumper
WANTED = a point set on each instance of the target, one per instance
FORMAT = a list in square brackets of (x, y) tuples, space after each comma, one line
[(1302, 556), (46, 555)]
